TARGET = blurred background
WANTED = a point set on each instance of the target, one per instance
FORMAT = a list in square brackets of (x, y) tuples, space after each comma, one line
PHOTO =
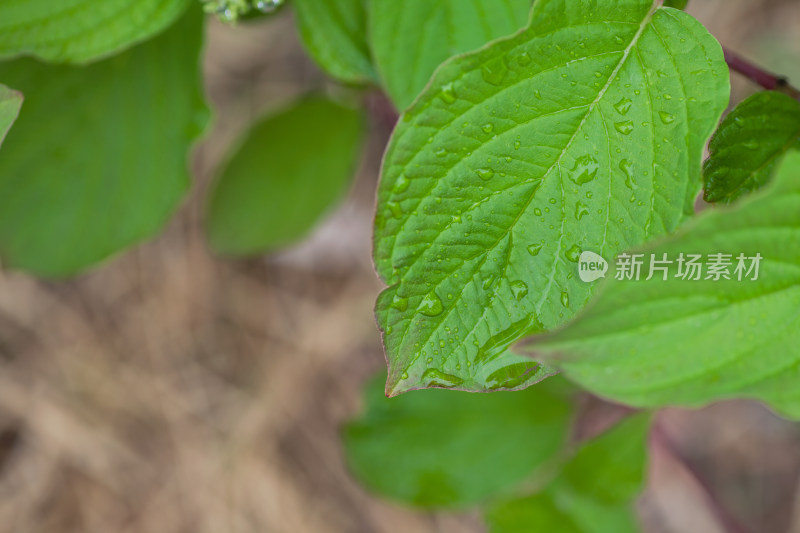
[(171, 391)]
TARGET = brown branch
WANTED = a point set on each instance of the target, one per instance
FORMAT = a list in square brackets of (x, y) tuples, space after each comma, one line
[(767, 80)]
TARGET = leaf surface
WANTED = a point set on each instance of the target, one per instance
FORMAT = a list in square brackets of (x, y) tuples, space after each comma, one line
[(584, 133), (593, 493), (78, 31), (749, 145), (413, 37), (288, 172), (97, 159), (690, 342), (10, 102), (438, 448), (335, 34)]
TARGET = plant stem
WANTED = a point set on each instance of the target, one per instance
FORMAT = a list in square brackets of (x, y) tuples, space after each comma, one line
[(765, 79), (728, 522)]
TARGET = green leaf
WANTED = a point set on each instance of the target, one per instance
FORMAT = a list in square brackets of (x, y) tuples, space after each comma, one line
[(78, 31), (10, 102), (749, 144), (677, 4), (411, 38), (438, 448), (594, 492), (335, 34), (686, 342), (585, 132), (97, 160), (288, 172)]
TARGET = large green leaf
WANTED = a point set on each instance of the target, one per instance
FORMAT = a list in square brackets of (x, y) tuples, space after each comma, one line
[(335, 34), (594, 492), (687, 342), (749, 144), (585, 132), (97, 160), (78, 31), (411, 38), (10, 102), (438, 448), (291, 168)]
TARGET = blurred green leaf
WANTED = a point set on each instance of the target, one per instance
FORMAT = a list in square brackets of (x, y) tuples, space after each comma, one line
[(690, 342), (10, 102), (411, 38), (677, 4), (578, 134), (97, 159), (443, 448), (749, 144), (335, 34), (290, 169), (594, 492), (77, 31)]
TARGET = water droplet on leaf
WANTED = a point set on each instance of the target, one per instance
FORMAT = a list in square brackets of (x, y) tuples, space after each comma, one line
[(585, 170), (520, 289), (534, 249), (431, 305), (625, 127), (574, 253)]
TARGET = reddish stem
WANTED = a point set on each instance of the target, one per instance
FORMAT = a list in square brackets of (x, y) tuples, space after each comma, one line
[(765, 79)]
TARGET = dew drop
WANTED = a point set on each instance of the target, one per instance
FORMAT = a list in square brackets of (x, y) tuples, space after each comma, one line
[(534, 249), (488, 127), (433, 377), (399, 303), (537, 211), (524, 59), (520, 289), (585, 170), (431, 305), (485, 173), (574, 253), (401, 185), (494, 71), (441, 152), (565, 299), (625, 127), (517, 144), (666, 118), (580, 210), (623, 106), (448, 93), (395, 209), (627, 168)]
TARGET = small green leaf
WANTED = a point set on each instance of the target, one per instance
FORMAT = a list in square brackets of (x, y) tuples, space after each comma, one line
[(749, 144), (78, 31), (583, 133), (288, 172), (594, 492), (335, 34), (97, 159), (677, 4), (10, 102), (411, 38), (438, 448), (689, 342)]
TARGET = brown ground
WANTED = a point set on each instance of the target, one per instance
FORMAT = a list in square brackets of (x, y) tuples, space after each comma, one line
[(173, 392)]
